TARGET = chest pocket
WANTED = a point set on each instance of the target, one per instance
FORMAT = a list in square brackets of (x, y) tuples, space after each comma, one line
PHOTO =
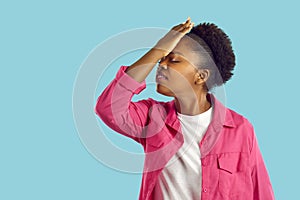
[(232, 168)]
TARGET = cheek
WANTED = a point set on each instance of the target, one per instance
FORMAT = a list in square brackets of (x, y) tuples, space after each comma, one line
[(183, 78)]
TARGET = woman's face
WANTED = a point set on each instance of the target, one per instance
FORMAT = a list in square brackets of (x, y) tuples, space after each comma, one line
[(177, 73)]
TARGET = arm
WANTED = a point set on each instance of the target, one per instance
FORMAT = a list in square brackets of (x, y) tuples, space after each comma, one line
[(115, 107), (262, 188)]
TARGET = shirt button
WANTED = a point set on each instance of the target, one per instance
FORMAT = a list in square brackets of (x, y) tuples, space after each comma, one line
[(205, 190)]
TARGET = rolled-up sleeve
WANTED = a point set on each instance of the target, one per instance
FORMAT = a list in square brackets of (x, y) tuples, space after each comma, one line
[(115, 107)]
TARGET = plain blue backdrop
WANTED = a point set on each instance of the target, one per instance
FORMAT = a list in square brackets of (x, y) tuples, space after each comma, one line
[(43, 45)]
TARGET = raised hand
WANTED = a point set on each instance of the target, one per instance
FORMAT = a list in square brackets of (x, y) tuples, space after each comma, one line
[(170, 40), (142, 67)]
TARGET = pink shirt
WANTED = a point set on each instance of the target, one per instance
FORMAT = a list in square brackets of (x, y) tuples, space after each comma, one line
[(232, 165)]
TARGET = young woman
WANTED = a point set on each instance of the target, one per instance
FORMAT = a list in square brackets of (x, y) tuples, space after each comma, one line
[(195, 147)]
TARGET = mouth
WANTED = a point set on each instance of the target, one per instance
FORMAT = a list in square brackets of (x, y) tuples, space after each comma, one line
[(160, 76)]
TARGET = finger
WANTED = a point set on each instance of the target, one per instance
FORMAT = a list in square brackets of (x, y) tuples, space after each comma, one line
[(185, 30), (187, 20), (188, 24), (192, 25), (186, 27), (179, 27), (183, 25)]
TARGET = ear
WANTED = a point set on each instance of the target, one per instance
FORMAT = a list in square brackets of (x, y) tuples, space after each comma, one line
[(201, 76)]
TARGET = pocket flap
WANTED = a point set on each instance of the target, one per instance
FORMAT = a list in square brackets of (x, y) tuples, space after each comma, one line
[(232, 162)]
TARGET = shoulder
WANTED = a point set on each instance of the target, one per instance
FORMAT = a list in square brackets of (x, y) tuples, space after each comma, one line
[(241, 131), (242, 126), (239, 119)]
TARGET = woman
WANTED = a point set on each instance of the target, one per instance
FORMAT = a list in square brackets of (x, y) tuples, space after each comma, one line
[(195, 147)]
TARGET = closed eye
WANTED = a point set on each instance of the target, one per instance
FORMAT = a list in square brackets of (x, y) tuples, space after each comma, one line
[(171, 60)]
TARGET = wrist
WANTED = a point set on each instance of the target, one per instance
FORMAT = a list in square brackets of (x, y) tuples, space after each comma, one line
[(159, 52)]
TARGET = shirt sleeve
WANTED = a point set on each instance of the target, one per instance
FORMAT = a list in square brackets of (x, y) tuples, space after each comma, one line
[(115, 107), (262, 188)]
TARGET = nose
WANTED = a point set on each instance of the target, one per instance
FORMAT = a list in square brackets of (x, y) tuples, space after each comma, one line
[(161, 65)]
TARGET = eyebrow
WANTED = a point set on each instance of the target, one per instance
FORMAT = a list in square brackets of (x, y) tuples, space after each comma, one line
[(172, 52)]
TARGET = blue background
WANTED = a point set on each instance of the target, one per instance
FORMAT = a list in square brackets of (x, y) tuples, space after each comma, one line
[(43, 44)]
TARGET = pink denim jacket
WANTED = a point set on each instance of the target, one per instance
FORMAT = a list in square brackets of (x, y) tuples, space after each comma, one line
[(232, 164)]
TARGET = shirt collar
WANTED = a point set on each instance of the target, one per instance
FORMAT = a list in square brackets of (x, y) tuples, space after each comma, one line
[(221, 115)]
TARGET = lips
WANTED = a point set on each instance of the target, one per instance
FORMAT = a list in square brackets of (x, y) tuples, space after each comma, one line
[(161, 76)]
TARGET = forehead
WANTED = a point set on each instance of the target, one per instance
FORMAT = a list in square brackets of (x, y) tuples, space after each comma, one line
[(187, 48)]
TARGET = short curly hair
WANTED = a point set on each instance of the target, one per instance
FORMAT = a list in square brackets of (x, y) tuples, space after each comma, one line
[(218, 46)]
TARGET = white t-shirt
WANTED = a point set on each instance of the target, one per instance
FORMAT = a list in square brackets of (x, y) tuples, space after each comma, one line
[(181, 178)]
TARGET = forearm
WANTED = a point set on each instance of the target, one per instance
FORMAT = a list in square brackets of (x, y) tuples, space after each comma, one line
[(142, 67)]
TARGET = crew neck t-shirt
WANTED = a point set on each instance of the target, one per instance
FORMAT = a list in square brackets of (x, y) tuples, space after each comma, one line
[(181, 177)]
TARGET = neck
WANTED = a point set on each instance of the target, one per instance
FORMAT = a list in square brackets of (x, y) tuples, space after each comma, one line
[(192, 105)]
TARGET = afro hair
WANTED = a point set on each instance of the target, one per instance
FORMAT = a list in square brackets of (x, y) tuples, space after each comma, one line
[(220, 49)]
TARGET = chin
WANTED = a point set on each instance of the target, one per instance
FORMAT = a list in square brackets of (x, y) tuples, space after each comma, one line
[(164, 91)]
